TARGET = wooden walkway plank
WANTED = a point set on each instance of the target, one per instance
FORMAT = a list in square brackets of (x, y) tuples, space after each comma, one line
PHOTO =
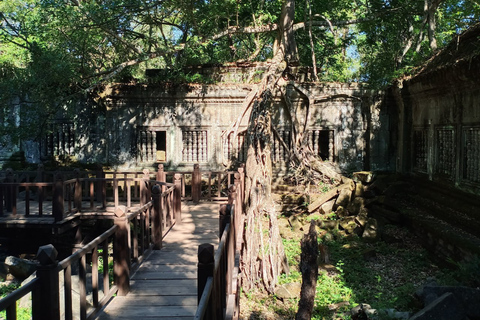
[(165, 285)]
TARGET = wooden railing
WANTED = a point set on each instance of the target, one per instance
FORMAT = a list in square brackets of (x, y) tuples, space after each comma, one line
[(126, 243), (67, 197), (218, 285)]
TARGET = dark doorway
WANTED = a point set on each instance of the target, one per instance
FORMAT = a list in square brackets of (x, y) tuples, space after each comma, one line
[(161, 139)]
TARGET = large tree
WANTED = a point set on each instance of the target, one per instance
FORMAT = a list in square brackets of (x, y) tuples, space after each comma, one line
[(54, 52)]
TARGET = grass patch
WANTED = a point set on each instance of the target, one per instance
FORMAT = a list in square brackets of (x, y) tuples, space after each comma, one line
[(22, 313), (384, 275)]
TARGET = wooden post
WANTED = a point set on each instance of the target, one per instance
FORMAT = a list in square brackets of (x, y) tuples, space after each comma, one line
[(1, 199), (232, 194), (224, 218), (196, 184), (157, 217), (40, 178), (177, 198), (58, 204), (77, 197), (10, 194), (161, 175), (101, 191), (27, 201), (241, 172), (205, 267), (40, 173), (115, 192), (144, 189), (121, 253), (46, 299)]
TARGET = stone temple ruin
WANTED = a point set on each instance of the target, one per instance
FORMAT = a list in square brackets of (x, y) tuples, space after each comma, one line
[(140, 126), (426, 125)]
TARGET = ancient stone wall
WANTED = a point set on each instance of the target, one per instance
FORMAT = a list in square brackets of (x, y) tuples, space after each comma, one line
[(182, 125), (141, 125), (440, 123)]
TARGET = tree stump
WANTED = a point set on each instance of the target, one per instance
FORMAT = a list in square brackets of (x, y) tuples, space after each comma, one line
[(309, 269)]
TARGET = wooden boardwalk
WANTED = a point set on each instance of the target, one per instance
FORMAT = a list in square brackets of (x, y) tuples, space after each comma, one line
[(165, 285)]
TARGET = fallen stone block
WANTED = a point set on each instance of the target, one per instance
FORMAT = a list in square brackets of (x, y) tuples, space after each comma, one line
[(363, 176), (468, 297), (445, 307), (20, 268)]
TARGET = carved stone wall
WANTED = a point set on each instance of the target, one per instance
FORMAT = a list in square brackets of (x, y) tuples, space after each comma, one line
[(138, 126), (440, 124), (182, 125)]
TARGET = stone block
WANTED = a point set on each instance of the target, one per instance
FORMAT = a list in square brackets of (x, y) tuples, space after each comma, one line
[(289, 290), (356, 205), (469, 298), (341, 212), (329, 224), (20, 268), (359, 189), (363, 176), (327, 207), (295, 223), (370, 233), (317, 201), (446, 307), (344, 198), (348, 224), (361, 220)]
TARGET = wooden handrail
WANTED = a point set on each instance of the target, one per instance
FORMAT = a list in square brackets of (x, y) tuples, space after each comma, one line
[(218, 288), (133, 253), (8, 303), (203, 303), (194, 185)]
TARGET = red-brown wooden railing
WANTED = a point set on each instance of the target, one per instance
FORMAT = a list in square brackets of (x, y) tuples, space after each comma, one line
[(218, 285), (99, 188), (126, 242)]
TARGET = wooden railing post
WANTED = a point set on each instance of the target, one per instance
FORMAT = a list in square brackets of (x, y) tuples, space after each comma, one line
[(177, 198), (161, 175), (144, 189), (196, 184), (121, 253), (11, 193), (58, 205), (101, 191), (46, 298), (232, 194), (205, 268), (1, 199), (40, 173), (157, 217), (77, 197), (223, 219), (241, 172)]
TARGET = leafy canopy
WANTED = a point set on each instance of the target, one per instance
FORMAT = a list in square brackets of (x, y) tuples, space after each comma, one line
[(52, 52)]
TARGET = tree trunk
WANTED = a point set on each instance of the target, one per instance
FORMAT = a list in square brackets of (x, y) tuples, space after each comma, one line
[(431, 8), (287, 33), (263, 257), (309, 269)]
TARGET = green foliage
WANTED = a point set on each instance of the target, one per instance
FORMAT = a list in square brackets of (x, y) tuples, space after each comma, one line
[(55, 54), (101, 268), (6, 289), (22, 313), (468, 271), (292, 251), (384, 275)]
